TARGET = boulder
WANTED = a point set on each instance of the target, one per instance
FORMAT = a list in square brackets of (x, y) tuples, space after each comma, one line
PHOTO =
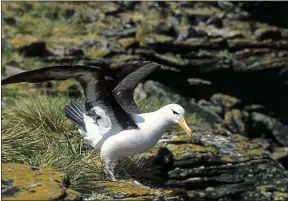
[(271, 127), (128, 190), (23, 182), (215, 167)]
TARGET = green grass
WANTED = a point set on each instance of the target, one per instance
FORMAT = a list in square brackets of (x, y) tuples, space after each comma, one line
[(36, 132)]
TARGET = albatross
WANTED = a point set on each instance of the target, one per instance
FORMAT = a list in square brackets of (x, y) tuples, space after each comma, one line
[(109, 119)]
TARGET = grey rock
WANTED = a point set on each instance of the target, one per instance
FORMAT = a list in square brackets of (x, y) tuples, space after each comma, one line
[(211, 107), (7, 189), (225, 101), (217, 168), (254, 107), (273, 127), (91, 44), (197, 81), (120, 33), (236, 121)]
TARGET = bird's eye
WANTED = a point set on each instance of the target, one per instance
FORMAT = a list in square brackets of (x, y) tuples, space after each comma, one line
[(174, 112)]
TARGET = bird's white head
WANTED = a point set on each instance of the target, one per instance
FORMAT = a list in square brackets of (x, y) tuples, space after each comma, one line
[(175, 113)]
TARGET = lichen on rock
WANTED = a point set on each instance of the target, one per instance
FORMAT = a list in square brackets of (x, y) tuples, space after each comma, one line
[(23, 182)]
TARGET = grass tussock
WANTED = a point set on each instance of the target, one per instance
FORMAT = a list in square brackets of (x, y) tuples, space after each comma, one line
[(36, 132), (44, 113)]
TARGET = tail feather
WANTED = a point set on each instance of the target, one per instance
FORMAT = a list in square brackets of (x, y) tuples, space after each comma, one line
[(87, 127), (75, 112)]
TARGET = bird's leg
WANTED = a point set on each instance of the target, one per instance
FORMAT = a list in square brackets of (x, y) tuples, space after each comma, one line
[(127, 175), (123, 170), (109, 167)]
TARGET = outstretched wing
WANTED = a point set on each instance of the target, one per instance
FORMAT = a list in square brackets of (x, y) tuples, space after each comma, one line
[(128, 67), (123, 92), (93, 84)]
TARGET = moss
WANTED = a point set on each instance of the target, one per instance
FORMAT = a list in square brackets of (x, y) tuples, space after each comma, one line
[(236, 120), (236, 144), (21, 40), (207, 11), (280, 196), (127, 42), (254, 153), (98, 52), (247, 148), (142, 31), (129, 191), (133, 16), (276, 195), (125, 187), (226, 159), (224, 100), (36, 183), (122, 58), (124, 190), (172, 58), (159, 38), (183, 150), (152, 152)]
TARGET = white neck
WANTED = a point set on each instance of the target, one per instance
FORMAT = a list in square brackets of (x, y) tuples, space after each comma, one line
[(153, 123)]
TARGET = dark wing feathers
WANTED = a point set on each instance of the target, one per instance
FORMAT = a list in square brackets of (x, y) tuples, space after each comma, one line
[(123, 92), (51, 73), (125, 69), (94, 84), (74, 112), (90, 78)]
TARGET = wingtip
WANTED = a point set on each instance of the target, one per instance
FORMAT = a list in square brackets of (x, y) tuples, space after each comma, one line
[(9, 80), (156, 65), (152, 65), (4, 81)]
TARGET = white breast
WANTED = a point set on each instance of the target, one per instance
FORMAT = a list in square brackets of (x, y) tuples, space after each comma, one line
[(130, 142)]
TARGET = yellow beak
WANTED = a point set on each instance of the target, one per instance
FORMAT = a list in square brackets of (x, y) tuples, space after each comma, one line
[(184, 125)]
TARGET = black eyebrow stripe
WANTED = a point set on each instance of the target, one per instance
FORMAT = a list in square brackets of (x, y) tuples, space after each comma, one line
[(174, 112)]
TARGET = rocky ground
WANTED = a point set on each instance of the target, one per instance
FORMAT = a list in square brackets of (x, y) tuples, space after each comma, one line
[(21, 182), (226, 63), (216, 163)]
